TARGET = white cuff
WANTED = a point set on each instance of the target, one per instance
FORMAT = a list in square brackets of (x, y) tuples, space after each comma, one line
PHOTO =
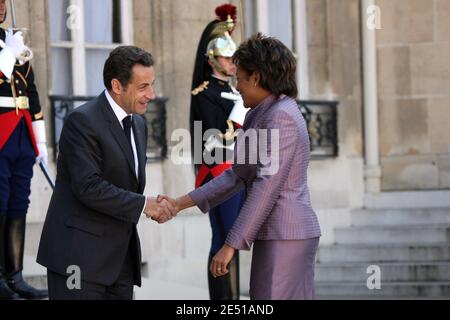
[(145, 203), (238, 113), (39, 131), (7, 61)]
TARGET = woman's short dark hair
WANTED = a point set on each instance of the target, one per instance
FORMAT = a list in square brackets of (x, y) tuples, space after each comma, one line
[(120, 63), (270, 58)]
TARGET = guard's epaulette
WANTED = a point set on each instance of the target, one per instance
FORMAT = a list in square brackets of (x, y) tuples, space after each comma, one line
[(200, 88)]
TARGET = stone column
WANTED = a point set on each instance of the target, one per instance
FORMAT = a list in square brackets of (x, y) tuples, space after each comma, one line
[(372, 167), (301, 47)]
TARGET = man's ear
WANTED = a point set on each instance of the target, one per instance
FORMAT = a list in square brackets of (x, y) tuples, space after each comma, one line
[(212, 65), (116, 86)]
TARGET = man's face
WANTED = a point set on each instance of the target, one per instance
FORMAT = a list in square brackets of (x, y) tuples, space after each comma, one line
[(2, 10), (228, 65), (139, 92)]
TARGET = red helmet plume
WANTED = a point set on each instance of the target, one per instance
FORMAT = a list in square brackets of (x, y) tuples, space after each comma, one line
[(226, 10)]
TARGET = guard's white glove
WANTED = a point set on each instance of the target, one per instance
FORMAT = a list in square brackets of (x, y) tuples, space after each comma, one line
[(239, 111), (237, 115), (12, 49), (214, 142), (211, 143), (41, 141), (15, 42)]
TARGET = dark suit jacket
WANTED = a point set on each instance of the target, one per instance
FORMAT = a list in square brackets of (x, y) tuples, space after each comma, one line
[(91, 220)]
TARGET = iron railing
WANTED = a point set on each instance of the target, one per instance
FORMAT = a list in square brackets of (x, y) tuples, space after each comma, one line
[(61, 107), (320, 116)]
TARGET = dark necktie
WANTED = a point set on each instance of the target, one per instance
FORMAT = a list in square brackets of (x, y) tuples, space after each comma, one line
[(127, 121)]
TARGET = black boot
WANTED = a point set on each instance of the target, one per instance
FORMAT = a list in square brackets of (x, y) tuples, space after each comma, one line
[(15, 245), (227, 286), (5, 291)]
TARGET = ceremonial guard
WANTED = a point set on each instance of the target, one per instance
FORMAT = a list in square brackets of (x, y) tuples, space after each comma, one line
[(22, 143), (216, 104)]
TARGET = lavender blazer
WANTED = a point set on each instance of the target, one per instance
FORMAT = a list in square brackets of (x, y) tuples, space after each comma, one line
[(277, 205)]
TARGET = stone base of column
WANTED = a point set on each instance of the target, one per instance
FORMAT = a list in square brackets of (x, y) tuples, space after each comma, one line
[(373, 178)]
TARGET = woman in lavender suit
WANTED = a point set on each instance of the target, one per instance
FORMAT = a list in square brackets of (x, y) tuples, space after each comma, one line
[(277, 217)]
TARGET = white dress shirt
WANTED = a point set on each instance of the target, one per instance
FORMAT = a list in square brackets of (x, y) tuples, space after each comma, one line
[(121, 114)]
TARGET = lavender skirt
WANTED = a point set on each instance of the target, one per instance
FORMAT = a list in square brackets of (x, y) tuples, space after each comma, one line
[(283, 269)]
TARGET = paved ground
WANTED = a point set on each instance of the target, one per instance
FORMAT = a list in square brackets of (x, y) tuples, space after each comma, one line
[(155, 289), (152, 288)]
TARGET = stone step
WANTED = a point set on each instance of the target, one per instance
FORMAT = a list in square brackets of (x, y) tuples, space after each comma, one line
[(411, 290), (389, 272), (384, 253), (393, 234), (390, 217), (408, 199), (157, 289)]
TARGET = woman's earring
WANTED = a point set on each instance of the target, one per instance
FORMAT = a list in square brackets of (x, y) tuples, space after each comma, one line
[(255, 84)]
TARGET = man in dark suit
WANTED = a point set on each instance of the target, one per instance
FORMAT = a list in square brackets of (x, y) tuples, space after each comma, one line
[(89, 243)]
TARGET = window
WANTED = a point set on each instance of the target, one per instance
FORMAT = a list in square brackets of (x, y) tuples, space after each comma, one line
[(83, 33), (285, 20)]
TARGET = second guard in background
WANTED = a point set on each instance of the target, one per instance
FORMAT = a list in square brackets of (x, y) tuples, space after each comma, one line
[(22, 142), (217, 105)]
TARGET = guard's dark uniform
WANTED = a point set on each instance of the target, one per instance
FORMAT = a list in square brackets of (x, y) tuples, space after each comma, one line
[(209, 107), (212, 110), (18, 153)]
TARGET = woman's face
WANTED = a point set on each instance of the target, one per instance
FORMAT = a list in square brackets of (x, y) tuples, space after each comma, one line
[(246, 86)]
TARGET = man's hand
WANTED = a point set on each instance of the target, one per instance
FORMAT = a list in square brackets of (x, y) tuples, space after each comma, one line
[(172, 201), (161, 211), (174, 206), (219, 263)]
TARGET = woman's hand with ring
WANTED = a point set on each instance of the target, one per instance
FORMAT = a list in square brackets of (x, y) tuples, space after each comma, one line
[(221, 260)]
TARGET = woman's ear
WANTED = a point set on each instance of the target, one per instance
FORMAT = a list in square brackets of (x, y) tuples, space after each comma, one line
[(255, 79)]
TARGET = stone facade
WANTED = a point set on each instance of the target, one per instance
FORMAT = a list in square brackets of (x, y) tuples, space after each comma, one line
[(414, 82)]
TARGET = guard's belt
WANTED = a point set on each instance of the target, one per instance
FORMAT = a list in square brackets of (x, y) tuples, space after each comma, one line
[(20, 102)]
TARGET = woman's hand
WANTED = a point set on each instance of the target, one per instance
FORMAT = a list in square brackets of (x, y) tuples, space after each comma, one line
[(219, 264)]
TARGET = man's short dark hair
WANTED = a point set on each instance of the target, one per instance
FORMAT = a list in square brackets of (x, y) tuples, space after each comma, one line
[(274, 62), (120, 63)]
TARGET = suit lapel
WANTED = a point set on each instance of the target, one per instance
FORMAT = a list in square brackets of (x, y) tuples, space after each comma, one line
[(139, 138), (118, 133)]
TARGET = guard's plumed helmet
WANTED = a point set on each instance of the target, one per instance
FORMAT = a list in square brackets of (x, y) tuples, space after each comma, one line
[(221, 44), (215, 41)]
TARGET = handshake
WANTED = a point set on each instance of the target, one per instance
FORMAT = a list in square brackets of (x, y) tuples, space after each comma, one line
[(161, 209)]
